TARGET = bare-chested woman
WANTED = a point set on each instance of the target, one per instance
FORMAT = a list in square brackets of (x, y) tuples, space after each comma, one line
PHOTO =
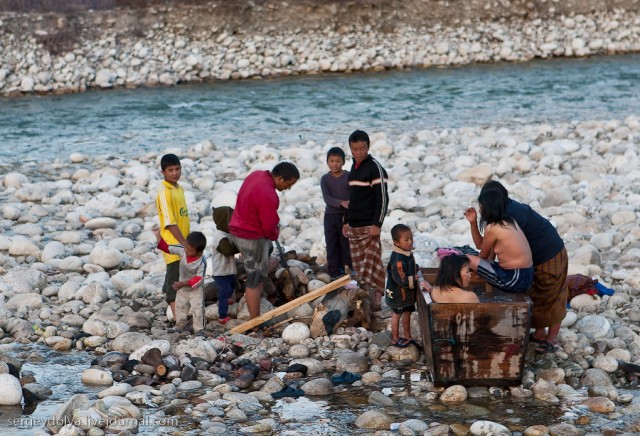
[(503, 238), (453, 277)]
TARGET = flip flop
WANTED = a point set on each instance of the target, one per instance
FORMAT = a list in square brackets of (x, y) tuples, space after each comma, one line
[(536, 340), (546, 347), (401, 343), (288, 391), (345, 377), (416, 343)]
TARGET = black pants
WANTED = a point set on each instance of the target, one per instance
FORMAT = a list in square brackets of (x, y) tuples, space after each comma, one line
[(338, 254)]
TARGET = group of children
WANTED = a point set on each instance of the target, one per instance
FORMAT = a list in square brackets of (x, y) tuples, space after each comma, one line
[(184, 256), (503, 238)]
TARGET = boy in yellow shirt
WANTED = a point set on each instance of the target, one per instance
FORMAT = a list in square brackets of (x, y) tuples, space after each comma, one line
[(174, 221)]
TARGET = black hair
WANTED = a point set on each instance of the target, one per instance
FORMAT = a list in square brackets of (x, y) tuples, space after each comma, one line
[(336, 151), (449, 272), (492, 208), (168, 160), (494, 185), (197, 240), (286, 170), (359, 136), (398, 230)]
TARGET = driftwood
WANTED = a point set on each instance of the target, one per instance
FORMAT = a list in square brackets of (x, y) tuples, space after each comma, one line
[(292, 304), (153, 357)]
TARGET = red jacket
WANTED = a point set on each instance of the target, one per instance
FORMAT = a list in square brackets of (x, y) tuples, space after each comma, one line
[(256, 212)]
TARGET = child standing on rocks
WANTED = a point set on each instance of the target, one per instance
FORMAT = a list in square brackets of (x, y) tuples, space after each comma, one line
[(189, 287), (174, 220), (403, 275), (223, 262), (335, 192)]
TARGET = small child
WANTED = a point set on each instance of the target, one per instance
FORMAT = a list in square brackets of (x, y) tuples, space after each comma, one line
[(403, 275), (335, 192), (223, 262), (189, 287)]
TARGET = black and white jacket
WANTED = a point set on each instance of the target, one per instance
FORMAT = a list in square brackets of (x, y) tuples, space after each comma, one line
[(368, 196)]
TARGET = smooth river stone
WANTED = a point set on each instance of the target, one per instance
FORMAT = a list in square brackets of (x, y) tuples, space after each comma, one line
[(97, 377), (11, 390), (594, 325), (296, 333), (101, 223)]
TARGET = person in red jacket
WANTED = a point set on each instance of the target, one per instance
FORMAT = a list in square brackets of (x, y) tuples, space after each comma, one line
[(254, 224)]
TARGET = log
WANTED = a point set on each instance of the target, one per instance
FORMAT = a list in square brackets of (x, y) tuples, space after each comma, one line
[(292, 304), (153, 357)]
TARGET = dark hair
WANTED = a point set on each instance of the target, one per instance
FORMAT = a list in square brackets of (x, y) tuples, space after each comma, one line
[(398, 230), (494, 185), (492, 208), (336, 151), (168, 160), (449, 272), (197, 240), (359, 136), (286, 170)]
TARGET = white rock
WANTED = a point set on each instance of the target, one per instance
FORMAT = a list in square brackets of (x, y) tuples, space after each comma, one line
[(569, 319), (585, 303), (122, 244), (197, 347), (130, 341), (163, 345), (94, 376), (595, 325), (105, 78), (296, 333), (52, 250), (11, 390), (606, 363), (21, 246), (101, 223), (30, 300), (123, 279), (106, 257), (486, 428), (14, 180)]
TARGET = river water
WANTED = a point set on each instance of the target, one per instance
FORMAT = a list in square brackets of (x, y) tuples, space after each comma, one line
[(288, 111)]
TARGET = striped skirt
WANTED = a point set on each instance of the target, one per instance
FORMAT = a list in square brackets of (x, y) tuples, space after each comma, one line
[(549, 291), (366, 257)]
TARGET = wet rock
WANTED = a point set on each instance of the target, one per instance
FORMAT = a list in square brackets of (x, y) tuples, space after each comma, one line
[(599, 405), (595, 377), (536, 430), (455, 394), (485, 428), (70, 430), (318, 387), (555, 375), (352, 362), (380, 399), (63, 414), (545, 391), (11, 390), (374, 419), (563, 430)]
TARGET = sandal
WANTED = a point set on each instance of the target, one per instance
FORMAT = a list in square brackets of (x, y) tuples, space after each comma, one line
[(416, 343), (546, 347), (401, 343), (536, 340)]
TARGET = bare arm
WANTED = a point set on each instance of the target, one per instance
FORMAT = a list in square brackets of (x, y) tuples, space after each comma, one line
[(486, 252), (471, 215), (175, 231)]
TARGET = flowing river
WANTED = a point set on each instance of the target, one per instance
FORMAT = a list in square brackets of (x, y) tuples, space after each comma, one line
[(292, 110)]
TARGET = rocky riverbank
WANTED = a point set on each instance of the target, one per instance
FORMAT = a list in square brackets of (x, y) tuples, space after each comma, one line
[(59, 53), (79, 272)]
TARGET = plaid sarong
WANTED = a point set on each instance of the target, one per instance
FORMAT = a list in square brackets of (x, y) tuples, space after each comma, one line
[(549, 291), (366, 257)]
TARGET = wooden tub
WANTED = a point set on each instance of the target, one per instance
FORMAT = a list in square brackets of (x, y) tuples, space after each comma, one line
[(475, 343)]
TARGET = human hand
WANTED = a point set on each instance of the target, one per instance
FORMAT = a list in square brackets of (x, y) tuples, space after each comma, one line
[(425, 286), (345, 204), (156, 231), (178, 285), (345, 230), (471, 215), (374, 231)]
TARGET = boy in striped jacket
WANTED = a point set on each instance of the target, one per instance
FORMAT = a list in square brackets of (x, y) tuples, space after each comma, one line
[(190, 286)]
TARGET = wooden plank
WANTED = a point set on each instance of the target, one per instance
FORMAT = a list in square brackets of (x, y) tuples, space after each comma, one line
[(292, 304)]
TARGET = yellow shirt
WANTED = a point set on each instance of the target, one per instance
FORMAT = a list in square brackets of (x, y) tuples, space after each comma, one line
[(172, 210)]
